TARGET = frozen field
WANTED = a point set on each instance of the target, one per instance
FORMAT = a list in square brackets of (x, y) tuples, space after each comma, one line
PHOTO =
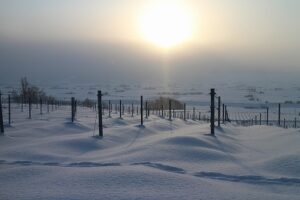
[(48, 157)]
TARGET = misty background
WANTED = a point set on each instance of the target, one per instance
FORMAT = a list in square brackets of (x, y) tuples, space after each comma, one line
[(97, 42)]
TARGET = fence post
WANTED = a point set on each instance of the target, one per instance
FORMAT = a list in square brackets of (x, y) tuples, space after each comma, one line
[(146, 109), (142, 120), (9, 110), (120, 109), (279, 114), (162, 111), (48, 106), (267, 116), (284, 123), (255, 122), (132, 109), (170, 112), (41, 106), (22, 102), (109, 109), (100, 113), (295, 122), (259, 118), (184, 112), (29, 107), (219, 111), (212, 111), (72, 109), (194, 113), (1, 117)]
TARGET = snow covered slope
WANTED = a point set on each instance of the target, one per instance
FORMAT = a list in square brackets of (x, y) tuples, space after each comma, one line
[(50, 158)]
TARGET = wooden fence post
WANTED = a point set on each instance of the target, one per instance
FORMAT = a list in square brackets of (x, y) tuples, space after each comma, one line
[(194, 113), (99, 96), (41, 106), (146, 109), (295, 122), (212, 111), (1, 116), (120, 109), (142, 120), (132, 110), (279, 114), (109, 109), (170, 109), (9, 110), (29, 107), (72, 109), (259, 118), (219, 111), (267, 116), (22, 102), (184, 112)]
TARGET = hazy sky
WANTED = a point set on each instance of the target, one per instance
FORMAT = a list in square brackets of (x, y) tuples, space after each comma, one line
[(229, 34)]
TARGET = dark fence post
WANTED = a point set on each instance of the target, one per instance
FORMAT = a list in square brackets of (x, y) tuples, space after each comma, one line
[(29, 107), (170, 109), (142, 120), (162, 111), (184, 112), (146, 109), (41, 106), (284, 123), (279, 114), (212, 111), (1, 117), (194, 113), (219, 111), (132, 110), (22, 102), (259, 118), (267, 116), (72, 109), (100, 113), (9, 110), (109, 109), (295, 122), (120, 109)]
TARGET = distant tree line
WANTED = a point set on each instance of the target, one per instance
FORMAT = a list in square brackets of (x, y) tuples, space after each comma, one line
[(164, 101), (28, 91)]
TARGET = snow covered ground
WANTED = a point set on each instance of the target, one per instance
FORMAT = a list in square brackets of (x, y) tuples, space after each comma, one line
[(48, 157)]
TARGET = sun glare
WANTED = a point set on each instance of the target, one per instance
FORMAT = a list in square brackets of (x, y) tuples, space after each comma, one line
[(166, 24)]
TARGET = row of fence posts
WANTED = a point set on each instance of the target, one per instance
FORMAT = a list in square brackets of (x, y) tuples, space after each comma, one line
[(147, 110), (258, 121), (40, 102)]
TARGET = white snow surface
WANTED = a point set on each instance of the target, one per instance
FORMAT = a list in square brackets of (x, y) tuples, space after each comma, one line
[(48, 157)]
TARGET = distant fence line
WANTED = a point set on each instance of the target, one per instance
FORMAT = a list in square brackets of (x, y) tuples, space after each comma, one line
[(217, 113)]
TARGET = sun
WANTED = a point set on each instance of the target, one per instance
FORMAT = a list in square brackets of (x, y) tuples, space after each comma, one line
[(166, 24)]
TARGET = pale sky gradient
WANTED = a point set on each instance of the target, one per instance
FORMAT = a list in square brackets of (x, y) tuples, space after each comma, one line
[(239, 31)]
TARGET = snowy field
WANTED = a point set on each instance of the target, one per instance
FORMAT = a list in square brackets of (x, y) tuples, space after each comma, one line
[(48, 157)]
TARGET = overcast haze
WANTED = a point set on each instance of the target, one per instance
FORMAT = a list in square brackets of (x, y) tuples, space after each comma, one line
[(82, 41)]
